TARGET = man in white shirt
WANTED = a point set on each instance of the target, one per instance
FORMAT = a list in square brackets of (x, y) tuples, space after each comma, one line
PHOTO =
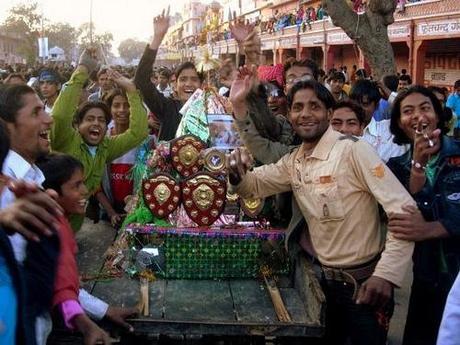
[(379, 136), (377, 131), (29, 125), (105, 85), (163, 82)]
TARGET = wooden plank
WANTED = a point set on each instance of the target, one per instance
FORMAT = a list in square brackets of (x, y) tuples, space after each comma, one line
[(93, 241), (294, 305), (310, 292), (252, 302), (125, 292), (157, 298), (151, 327), (198, 300)]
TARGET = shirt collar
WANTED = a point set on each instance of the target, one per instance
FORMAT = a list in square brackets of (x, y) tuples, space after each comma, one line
[(378, 129), (325, 144), (16, 166), (371, 127), (101, 146)]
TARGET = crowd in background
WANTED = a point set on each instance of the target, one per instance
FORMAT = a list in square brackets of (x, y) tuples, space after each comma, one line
[(396, 141)]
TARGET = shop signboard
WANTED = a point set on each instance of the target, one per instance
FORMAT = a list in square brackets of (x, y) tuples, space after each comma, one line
[(446, 27)]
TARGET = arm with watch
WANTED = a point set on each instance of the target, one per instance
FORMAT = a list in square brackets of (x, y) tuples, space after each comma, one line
[(417, 225)]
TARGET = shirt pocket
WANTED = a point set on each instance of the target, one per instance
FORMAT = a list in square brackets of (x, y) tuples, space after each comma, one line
[(328, 202), (451, 186)]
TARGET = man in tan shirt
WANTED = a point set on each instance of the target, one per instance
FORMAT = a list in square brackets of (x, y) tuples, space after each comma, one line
[(338, 182)]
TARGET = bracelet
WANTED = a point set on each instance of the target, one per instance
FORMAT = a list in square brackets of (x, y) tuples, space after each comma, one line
[(418, 165)]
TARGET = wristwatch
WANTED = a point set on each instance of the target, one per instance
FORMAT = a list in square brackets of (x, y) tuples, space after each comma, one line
[(418, 165)]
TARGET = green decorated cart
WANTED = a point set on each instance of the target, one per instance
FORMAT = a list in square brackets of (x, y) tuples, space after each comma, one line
[(196, 259)]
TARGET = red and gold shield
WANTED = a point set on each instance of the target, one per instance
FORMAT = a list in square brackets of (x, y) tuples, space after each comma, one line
[(204, 198), (185, 155), (162, 194)]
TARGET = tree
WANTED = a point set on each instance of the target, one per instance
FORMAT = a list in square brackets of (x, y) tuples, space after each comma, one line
[(131, 49), (62, 35), (104, 40), (369, 30), (25, 21)]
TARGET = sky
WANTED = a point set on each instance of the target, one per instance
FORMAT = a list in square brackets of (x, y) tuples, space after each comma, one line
[(123, 18)]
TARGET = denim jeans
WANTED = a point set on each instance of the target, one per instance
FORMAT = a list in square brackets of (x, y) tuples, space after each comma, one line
[(350, 323), (426, 305)]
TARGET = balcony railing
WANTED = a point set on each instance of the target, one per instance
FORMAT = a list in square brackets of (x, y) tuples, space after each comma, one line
[(420, 9)]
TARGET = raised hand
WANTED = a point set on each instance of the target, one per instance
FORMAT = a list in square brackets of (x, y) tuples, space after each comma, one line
[(426, 143), (238, 163), (252, 48), (240, 89), (385, 92), (160, 28), (240, 31), (89, 59), (122, 82)]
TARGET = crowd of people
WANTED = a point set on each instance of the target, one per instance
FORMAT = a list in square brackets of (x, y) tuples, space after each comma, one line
[(302, 17), (372, 167)]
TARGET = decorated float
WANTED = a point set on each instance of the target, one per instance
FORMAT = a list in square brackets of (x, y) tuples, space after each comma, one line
[(205, 261)]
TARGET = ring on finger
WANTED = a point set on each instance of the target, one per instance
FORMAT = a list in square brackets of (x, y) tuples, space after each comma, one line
[(430, 143)]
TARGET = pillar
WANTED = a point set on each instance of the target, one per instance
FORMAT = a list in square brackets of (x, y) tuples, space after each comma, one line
[(304, 53), (329, 58), (324, 48), (418, 64)]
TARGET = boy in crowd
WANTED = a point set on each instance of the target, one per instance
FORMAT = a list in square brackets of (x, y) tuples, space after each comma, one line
[(336, 83), (405, 82), (348, 118), (49, 83), (105, 85), (163, 82), (64, 174), (88, 141)]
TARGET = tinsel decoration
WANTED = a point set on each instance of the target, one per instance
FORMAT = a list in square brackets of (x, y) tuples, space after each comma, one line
[(143, 215)]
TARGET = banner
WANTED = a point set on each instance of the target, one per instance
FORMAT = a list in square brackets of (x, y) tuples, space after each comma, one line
[(43, 47)]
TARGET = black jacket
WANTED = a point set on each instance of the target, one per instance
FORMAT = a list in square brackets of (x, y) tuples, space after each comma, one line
[(437, 260), (166, 109)]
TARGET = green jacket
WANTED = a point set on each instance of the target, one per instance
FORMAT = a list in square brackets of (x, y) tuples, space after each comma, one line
[(66, 139)]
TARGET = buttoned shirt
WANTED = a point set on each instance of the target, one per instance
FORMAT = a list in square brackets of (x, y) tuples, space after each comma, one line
[(16, 167), (96, 96), (379, 136), (167, 92), (338, 188)]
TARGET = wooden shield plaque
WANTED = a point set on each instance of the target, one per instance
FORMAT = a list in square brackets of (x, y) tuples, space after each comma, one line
[(185, 155), (162, 194), (204, 198)]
